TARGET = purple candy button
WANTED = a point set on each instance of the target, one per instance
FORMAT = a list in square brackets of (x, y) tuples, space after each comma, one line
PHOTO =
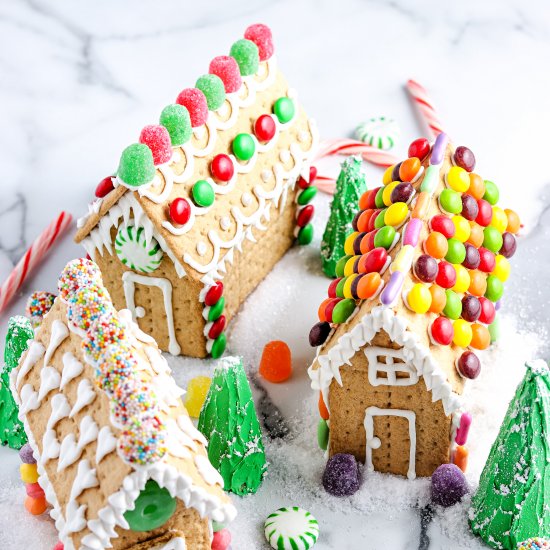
[(412, 232), (389, 294), (438, 150)]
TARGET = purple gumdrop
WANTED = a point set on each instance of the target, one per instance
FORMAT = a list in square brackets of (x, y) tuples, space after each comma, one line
[(341, 477), (26, 454), (448, 485)]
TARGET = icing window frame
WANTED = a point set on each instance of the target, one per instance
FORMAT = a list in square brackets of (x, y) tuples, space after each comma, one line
[(390, 372)]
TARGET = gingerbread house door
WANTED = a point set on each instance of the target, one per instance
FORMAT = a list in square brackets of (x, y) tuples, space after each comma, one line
[(131, 282)]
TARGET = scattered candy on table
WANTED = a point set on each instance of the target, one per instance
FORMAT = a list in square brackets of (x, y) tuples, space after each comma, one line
[(291, 528), (35, 502), (448, 485), (536, 543), (380, 132), (221, 540), (38, 304), (276, 362), (341, 476), (197, 389)]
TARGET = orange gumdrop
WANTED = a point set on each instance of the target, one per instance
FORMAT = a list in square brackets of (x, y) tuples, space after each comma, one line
[(276, 362), (323, 411), (409, 168), (478, 283), (514, 222), (461, 457), (36, 506), (481, 337), (476, 235), (477, 186), (439, 299), (322, 308)]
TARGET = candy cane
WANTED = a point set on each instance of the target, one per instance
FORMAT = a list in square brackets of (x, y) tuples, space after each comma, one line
[(425, 106), (33, 256)]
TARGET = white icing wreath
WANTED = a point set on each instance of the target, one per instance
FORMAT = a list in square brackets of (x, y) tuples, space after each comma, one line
[(134, 251)]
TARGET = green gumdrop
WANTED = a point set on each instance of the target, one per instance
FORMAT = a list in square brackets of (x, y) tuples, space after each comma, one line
[(453, 305), (340, 265), (213, 89), (175, 118), (450, 201), (340, 288), (492, 193), (495, 288), (322, 434), (243, 146), (218, 347), (216, 310), (284, 109), (384, 237), (246, 54), (492, 239), (136, 165), (307, 195), (342, 310), (203, 194), (494, 330), (379, 198), (456, 252), (152, 509), (379, 222), (305, 235)]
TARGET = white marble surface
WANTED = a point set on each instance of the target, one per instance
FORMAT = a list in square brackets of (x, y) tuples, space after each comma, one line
[(79, 79)]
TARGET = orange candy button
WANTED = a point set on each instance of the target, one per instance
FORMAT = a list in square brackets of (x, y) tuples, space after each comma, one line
[(323, 411), (439, 299), (481, 337), (322, 308), (276, 362), (368, 285), (461, 457), (409, 168), (476, 235), (514, 222), (477, 186)]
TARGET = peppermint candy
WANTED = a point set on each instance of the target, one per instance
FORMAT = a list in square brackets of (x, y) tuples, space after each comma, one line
[(135, 251), (379, 132), (291, 528)]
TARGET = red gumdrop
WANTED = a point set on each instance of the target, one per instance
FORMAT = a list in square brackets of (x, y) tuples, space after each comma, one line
[(488, 311), (221, 540), (214, 294), (104, 187), (487, 260), (446, 275), (195, 102), (305, 215), (442, 331), (332, 287), (485, 214), (227, 69), (262, 37), (444, 225), (264, 128), (419, 148), (222, 168), (157, 138), (217, 327), (180, 211)]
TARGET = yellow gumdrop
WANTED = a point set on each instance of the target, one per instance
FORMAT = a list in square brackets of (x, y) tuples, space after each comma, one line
[(347, 285), (502, 268), (348, 245), (462, 333), (419, 298), (196, 394), (462, 228), (350, 264), (499, 220), (386, 194), (462, 279), (386, 178), (458, 179), (29, 473), (396, 214)]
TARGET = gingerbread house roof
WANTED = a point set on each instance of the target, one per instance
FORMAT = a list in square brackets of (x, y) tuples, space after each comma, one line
[(104, 415), (222, 167), (426, 264)]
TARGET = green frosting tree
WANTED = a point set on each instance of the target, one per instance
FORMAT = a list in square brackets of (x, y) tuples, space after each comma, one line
[(228, 420), (350, 185), (11, 429), (512, 502)]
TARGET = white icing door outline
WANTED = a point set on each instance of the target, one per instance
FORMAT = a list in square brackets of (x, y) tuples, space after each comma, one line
[(129, 280), (373, 442), (390, 367)]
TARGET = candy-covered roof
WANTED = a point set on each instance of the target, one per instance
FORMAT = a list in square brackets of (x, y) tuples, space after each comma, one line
[(187, 174), (432, 245)]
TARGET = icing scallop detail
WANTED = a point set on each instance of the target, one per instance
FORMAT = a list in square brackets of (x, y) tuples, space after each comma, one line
[(227, 69), (261, 36), (135, 251), (195, 102)]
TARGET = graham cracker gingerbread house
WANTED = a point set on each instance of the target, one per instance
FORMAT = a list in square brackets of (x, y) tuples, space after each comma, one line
[(117, 454), (219, 190), (415, 298)]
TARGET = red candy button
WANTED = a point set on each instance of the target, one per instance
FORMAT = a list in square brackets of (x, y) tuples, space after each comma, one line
[(444, 225), (264, 128), (214, 294), (332, 287), (373, 261), (446, 275), (487, 260), (217, 327), (488, 311), (305, 215), (303, 184), (222, 168), (419, 148), (442, 331), (104, 187), (180, 211), (485, 214)]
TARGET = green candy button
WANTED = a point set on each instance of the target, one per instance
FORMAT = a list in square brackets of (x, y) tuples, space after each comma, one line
[(495, 288), (153, 508), (492, 239), (379, 220), (305, 235), (384, 237), (340, 265), (322, 434), (491, 194), (218, 347), (379, 198), (216, 309), (456, 252), (284, 109), (203, 194), (244, 147), (340, 288), (343, 310), (450, 201), (307, 195), (453, 305)]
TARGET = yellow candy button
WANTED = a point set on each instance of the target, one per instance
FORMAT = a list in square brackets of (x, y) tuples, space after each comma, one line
[(462, 228), (499, 220), (386, 178), (386, 194), (502, 268), (419, 298), (396, 214), (458, 179), (462, 279), (462, 333), (348, 268), (28, 472), (347, 285), (348, 245), (403, 259)]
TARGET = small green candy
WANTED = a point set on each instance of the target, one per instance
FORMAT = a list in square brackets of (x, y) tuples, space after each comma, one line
[(305, 235), (340, 287), (284, 109), (342, 310), (136, 165), (385, 237), (203, 194), (453, 305), (456, 252), (216, 310), (307, 195), (152, 509), (218, 347), (340, 265), (494, 330), (322, 434), (492, 239), (450, 201), (495, 288), (217, 526), (379, 199), (212, 87), (379, 221), (244, 147), (246, 54), (491, 192), (175, 118)]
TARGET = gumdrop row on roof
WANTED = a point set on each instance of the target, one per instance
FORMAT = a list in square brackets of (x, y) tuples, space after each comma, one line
[(460, 273)]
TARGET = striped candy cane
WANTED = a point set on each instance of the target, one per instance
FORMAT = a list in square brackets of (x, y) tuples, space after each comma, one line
[(425, 106), (32, 257)]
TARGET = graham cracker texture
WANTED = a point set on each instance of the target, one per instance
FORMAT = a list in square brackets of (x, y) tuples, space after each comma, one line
[(112, 470)]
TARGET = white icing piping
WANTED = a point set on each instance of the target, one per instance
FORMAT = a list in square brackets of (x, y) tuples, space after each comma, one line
[(415, 353)]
